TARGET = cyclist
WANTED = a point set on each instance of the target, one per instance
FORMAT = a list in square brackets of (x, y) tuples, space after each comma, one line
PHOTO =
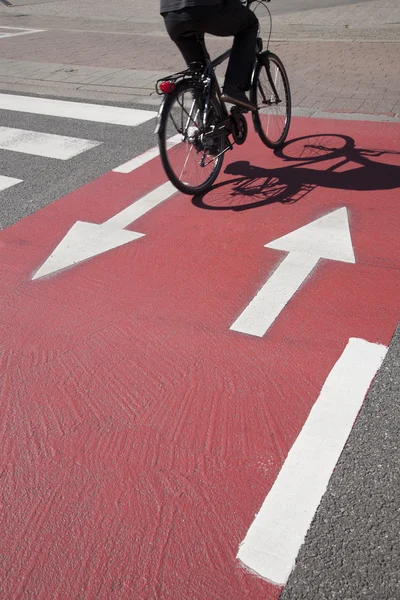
[(184, 18)]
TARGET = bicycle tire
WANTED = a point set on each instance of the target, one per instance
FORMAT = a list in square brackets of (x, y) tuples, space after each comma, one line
[(167, 153), (263, 123)]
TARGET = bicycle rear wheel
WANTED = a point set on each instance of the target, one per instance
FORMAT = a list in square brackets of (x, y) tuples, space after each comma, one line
[(191, 163), (274, 106)]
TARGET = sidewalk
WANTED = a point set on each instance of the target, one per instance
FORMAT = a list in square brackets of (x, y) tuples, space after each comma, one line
[(332, 66)]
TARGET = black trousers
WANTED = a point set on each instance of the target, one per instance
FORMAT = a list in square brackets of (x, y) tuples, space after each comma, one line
[(228, 18)]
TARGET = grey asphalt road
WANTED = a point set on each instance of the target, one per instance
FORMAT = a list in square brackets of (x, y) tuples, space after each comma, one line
[(47, 179), (352, 550)]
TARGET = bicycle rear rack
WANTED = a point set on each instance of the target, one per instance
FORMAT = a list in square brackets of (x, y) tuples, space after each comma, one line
[(193, 71)]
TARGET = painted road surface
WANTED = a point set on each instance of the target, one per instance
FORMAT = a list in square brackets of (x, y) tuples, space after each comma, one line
[(141, 434)]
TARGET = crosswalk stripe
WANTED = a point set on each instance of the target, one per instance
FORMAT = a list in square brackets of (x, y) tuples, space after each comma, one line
[(43, 144), (114, 115), (7, 182), (142, 159)]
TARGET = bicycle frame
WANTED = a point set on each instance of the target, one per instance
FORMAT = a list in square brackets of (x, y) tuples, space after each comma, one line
[(212, 64), (210, 70), (205, 72), (263, 57)]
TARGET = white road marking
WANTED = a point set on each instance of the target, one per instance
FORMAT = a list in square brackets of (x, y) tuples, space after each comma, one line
[(141, 207), (7, 182), (113, 115), (327, 237), (279, 529), (13, 31), (85, 240), (43, 144), (142, 159)]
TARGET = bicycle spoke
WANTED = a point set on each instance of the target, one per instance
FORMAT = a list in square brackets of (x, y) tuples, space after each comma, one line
[(188, 161), (187, 158), (272, 97)]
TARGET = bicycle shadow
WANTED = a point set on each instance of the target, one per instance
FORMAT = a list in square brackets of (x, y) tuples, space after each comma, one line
[(346, 168)]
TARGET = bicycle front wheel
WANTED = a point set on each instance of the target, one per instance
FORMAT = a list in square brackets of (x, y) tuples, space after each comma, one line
[(270, 92), (191, 163)]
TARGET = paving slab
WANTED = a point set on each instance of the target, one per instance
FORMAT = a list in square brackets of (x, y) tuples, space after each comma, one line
[(343, 57)]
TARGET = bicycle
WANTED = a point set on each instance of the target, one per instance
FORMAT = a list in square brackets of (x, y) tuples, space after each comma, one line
[(194, 126)]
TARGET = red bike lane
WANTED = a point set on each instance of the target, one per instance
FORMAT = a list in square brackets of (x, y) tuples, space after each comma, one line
[(140, 431)]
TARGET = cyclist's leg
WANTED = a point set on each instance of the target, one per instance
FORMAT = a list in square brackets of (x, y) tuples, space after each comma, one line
[(181, 25), (186, 29), (236, 19), (229, 17)]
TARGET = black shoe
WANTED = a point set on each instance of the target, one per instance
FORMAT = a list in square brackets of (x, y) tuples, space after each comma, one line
[(238, 98)]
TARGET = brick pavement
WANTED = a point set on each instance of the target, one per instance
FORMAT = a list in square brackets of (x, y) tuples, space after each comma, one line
[(114, 58)]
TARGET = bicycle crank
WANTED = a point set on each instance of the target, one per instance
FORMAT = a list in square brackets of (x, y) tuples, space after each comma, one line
[(239, 127)]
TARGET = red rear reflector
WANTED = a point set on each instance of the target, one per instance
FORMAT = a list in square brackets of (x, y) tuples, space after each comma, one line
[(167, 87)]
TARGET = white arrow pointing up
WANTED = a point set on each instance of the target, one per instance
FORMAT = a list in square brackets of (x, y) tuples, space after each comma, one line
[(327, 237), (85, 240)]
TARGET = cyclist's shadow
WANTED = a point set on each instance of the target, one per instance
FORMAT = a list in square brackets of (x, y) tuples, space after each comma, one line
[(347, 168)]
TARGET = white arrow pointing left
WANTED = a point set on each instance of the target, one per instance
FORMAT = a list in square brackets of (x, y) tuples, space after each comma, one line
[(85, 240)]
